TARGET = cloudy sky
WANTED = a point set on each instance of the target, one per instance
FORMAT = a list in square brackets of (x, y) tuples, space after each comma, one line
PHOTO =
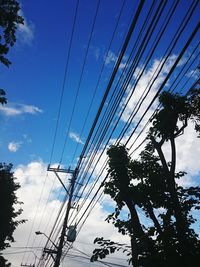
[(53, 96)]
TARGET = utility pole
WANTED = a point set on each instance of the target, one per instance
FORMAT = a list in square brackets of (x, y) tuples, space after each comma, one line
[(70, 193)]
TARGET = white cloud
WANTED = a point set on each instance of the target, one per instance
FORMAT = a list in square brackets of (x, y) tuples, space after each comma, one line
[(18, 109), (25, 33), (41, 208), (188, 151), (135, 98), (111, 59), (14, 146), (193, 73), (96, 52), (30, 109), (188, 145), (33, 176), (27, 138), (75, 137), (144, 84)]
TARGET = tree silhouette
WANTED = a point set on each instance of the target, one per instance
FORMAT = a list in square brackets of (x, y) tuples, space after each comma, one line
[(3, 99), (8, 213), (148, 186), (3, 262), (9, 21)]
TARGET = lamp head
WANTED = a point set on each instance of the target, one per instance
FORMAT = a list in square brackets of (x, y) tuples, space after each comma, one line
[(38, 233)]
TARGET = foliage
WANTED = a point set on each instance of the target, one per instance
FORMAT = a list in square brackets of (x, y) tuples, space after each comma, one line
[(108, 247), (8, 213), (2, 97), (3, 262), (8, 188), (9, 21), (148, 186)]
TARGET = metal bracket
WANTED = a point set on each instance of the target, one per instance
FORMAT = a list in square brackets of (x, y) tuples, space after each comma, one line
[(58, 169)]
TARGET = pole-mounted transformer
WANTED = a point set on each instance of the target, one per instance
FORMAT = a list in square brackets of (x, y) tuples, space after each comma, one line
[(71, 234)]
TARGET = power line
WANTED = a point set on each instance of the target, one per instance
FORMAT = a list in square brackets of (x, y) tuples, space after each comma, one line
[(106, 128), (98, 144), (156, 73), (111, 41), (80, 79), (172, 68), (167, 77), (100, 76), (64, 80), (178, 59), (113, 74), (107, 123), (172, 89), (57, 121)]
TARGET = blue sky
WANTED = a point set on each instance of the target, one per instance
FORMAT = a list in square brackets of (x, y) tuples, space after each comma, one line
[(34, 83), (35, 77)]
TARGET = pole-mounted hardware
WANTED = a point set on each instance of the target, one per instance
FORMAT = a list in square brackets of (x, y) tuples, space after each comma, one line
[(58, 251)]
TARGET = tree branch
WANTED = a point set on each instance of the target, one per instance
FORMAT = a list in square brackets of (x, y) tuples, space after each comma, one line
[(180, 131), (160, 153), (173, 157)]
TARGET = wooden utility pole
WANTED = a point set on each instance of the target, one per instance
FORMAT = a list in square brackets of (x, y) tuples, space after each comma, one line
[(70, 193)]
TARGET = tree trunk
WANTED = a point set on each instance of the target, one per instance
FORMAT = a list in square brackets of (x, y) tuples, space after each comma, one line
[(171, 185), (134, 251), (137, 229)]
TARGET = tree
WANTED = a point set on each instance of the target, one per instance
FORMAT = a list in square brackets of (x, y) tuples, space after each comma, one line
[(8, 213), (9, 21), (8, 188), (3, 262), (149, 186), (2, 97)]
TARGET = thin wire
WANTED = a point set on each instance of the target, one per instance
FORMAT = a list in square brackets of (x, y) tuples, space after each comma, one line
[(172, 89), (64, 80), (80, 80), (148, 122), (90, 210), (153, 79), (181, 56), (33, 222), (100, 76), (113, 75), (165, 80), (57, 121), (112, 78), (108, 123), (167, 77), (169, 74)]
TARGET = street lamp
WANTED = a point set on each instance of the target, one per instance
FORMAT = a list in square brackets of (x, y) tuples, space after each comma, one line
[(41, 233), (46, 250)]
